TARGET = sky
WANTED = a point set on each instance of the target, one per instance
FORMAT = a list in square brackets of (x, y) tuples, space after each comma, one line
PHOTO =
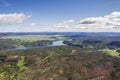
[(59, 16)]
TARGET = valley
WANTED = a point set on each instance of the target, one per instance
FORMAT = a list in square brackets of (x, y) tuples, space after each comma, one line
[(69, 56)]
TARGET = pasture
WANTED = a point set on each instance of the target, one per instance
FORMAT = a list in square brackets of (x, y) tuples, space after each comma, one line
[(32, 38)]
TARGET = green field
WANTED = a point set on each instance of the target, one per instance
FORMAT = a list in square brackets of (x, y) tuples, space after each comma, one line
[(31, 38), (110, 52)]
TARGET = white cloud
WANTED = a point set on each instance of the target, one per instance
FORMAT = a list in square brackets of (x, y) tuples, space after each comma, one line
[(64, 24), (111, 19), (113, 15), (32, 24), (107, 23), (12, 18)]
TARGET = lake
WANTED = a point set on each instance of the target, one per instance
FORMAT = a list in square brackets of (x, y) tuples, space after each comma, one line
[(55, 43)]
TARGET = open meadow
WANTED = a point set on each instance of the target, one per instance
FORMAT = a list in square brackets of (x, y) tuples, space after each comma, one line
[(31, 38)]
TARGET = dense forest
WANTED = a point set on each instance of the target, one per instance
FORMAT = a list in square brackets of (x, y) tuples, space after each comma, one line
[(59, 63)]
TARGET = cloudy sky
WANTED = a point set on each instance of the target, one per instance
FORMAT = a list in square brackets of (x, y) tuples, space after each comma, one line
[(59, 16)]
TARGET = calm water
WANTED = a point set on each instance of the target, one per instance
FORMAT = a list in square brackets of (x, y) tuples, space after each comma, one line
[(55, 43), (58, 43)]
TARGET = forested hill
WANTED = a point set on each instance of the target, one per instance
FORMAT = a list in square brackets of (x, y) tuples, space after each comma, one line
[(59, 63)]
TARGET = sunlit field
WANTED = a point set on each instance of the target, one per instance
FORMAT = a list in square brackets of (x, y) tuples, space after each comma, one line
[(110, 52), (31, 38)]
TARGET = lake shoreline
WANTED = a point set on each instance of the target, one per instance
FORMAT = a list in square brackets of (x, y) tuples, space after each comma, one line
[(55, 43)]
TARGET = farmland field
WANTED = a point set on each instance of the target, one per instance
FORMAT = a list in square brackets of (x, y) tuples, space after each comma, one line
[(31, 38)]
